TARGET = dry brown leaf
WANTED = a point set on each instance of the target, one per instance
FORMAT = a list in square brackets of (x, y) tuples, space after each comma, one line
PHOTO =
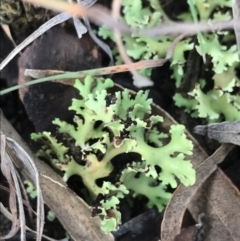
[(7, 171), (53, 187), (73, 214), (172, 221), (198, 156), (187, 234), (219, 199), (227, 132), (17, 153)]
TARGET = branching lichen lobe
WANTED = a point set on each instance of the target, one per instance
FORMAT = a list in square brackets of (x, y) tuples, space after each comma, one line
[(112, 125)]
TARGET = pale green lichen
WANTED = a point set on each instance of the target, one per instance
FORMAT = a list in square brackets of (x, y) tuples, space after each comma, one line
[(222, 101), (51, 216), (107, 125), (31, 190), (143, 47), (214, 45)]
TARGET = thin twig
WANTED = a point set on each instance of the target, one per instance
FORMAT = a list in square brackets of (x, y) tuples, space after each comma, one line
[(69, 77), (62, 17), (25, 202), (26, 198), (139, 80), (31, 167), (6, 170), (19, 195), (74, 214), (102, 16), (46, 26)]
